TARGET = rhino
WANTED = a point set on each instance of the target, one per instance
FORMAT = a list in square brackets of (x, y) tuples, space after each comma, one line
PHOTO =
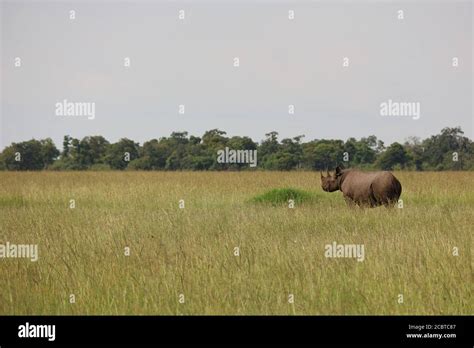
[(370, 189)]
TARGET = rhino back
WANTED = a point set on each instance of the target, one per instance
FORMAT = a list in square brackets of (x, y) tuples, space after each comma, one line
[(357, 185), (371, 188)]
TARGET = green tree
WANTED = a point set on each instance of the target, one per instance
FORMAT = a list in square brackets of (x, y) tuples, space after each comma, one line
[(442, 150), (323, 154), (394, 155), (415, 151), (121, 153), (29, 155)]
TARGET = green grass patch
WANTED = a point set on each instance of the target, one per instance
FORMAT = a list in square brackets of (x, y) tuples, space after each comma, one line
[(283, 195), (12, 202)]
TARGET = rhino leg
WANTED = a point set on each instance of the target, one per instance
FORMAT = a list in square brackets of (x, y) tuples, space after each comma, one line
[(349, 201), (374, 201)]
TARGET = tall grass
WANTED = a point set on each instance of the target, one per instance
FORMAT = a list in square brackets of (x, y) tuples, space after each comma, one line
[(191, 251)]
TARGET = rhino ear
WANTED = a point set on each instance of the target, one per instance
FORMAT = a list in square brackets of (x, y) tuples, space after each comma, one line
[(338, 171), (322, 176)]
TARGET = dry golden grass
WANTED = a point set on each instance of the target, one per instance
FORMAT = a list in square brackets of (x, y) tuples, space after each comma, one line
[(190, 251)]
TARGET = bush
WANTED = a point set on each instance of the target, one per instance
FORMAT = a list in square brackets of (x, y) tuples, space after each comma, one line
[(142, 163), (283, 195)]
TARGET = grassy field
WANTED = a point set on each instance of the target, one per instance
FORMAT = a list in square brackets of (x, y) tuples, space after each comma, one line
[(191, 251)]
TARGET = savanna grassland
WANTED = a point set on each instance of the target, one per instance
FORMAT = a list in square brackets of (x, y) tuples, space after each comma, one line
[(190, 251)]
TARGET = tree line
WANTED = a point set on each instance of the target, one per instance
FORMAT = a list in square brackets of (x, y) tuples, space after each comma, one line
[(449, 150)]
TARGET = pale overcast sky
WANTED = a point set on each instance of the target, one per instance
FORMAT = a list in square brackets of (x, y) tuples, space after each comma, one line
[(190, 62)]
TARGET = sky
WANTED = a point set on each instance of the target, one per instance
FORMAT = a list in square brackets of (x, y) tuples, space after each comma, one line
[(190, 62)]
